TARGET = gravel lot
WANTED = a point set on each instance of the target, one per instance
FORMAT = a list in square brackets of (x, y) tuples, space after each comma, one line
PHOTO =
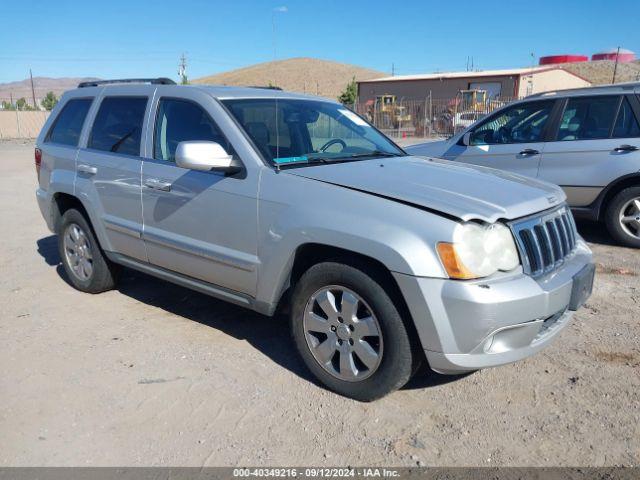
[(153, 374)]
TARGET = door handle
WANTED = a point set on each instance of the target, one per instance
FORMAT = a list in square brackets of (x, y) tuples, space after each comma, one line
[(88, 169), (528, 152), (625, 148), (157, 184)]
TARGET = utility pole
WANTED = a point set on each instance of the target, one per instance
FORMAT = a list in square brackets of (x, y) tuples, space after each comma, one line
[(182, 69), (615, 67), (393, 69), (33, 92)]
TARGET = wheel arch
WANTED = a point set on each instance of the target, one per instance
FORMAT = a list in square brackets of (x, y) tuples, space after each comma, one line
[(309, 254), (610, 191), (61, 202)]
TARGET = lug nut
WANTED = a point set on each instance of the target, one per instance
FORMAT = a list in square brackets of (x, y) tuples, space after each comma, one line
[(339, 342), (351, 341), (333, 328)]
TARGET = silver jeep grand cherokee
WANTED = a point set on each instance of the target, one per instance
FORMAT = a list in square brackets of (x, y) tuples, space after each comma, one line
[(270, 199)]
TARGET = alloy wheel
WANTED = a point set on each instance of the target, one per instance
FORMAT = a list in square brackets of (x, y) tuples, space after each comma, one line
[(342, 333), (629, 218), (77, 251)]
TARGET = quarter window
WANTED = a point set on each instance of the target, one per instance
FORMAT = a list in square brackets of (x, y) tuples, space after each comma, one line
[(67, 127), (118, 125), (588, 118), (181, 121), (521, 123), (626, 124)]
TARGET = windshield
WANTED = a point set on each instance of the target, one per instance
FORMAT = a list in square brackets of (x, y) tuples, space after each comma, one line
[(294, 131)]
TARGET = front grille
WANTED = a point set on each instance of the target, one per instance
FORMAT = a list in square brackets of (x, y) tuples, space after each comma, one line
[(545, 240)]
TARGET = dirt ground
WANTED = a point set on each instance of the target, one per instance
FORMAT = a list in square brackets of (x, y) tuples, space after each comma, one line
[(153, 374)]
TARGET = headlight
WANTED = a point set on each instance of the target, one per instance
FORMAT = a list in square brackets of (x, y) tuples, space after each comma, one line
[(479, 250)]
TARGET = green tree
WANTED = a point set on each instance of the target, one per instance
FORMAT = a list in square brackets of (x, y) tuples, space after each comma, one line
[(350, 93), (21, 104), (49, 101), (7, 105)]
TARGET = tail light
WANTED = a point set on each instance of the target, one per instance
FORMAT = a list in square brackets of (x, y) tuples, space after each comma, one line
[(38, 159)]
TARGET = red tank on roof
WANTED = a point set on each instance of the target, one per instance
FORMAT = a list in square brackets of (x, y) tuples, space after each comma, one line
[(624, 55), (555, 59)]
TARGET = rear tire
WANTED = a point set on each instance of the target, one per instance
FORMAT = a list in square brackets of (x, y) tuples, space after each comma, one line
[(356, 343), (86, 267), (622, 217)]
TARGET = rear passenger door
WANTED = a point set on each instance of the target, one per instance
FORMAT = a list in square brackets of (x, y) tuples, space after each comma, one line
[(109, 168), (201, 224), (596, 141)]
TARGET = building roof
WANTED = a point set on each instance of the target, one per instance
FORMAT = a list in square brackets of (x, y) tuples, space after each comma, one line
[(483, 73)]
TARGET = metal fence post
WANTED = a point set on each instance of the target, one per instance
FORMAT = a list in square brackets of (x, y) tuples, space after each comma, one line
[(18, 123)]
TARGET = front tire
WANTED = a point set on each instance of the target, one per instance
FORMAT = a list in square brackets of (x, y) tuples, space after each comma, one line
[(623, 217), (86, 267), (349, 332)]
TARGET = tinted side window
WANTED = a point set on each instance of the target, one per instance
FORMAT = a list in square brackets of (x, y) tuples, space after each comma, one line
[(521, 123), (626, 124), (588, 118), (118, 125), (67, 127), (179, 121)]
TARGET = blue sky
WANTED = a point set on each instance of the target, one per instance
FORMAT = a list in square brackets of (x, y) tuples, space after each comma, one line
[(143, 38)]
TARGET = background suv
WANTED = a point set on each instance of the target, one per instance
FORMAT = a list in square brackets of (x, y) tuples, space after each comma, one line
[(284, 202), (587, 141)]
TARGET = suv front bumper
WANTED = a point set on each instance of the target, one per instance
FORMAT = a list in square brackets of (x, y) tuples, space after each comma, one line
[(469, 325)]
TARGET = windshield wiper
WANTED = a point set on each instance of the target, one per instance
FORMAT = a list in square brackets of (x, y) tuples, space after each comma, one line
[(375, 153)]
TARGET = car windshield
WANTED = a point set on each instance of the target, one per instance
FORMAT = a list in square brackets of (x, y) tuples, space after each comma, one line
[(295, 131)]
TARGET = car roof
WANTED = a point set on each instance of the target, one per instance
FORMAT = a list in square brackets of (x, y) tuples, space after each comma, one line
[(222, 92), (618, 88)]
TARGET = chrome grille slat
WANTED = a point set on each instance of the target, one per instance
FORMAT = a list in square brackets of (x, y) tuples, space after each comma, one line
[(545, 240), (556, 240), (566, 248)]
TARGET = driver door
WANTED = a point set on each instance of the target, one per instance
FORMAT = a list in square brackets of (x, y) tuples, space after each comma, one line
[(512, 139)]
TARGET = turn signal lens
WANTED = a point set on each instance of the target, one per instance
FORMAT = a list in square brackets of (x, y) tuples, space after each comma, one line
[(452, 263)]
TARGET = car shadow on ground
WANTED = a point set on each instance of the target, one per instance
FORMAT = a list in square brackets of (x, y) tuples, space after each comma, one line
[(595, 232), (269, 335)]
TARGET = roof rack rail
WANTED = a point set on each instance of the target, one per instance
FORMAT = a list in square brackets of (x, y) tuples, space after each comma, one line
[(265, 87), (153, 81)]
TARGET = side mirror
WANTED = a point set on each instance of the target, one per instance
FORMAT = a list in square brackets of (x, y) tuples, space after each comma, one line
[(205, 156), (466, 139)]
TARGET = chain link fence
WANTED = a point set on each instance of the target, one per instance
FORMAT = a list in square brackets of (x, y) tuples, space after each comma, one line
[(19, 119), (428, 118)]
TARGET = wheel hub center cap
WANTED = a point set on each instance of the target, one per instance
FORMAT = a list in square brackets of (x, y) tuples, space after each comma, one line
[(343, 332)]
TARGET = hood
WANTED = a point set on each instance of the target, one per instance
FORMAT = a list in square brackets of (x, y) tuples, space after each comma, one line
[(429, 149), (464, 191)]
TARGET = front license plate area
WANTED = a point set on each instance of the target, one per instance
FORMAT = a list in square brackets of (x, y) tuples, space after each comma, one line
[(582, 286)]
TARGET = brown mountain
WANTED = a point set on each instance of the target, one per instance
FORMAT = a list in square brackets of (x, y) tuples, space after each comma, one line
[(310, 75), (41, 85), (600, 72)]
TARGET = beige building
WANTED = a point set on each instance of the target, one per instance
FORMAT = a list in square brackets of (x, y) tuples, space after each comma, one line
[(513, 83)]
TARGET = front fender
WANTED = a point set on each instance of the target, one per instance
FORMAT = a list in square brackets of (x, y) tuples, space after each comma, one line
[(294, 211)]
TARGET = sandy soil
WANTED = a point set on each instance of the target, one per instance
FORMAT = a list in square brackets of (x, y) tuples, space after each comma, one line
[(153, 374)]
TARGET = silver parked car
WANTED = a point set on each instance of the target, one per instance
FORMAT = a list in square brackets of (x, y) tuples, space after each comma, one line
[(585, 140), (270, 199)]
